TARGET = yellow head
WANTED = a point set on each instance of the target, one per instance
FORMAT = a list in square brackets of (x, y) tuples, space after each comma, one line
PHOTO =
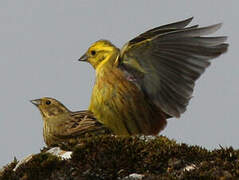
[(99, 53), (49, 107)]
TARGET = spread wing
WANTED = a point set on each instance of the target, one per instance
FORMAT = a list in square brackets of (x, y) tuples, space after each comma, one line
[(166, 61), (81, 123)]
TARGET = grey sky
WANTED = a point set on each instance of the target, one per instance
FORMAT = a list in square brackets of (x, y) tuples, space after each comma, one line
[(40, 42)]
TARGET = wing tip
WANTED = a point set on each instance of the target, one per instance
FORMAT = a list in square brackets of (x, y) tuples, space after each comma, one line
[(188, 20), (206, 30), (185, 22), (224, 48), (216, 26)]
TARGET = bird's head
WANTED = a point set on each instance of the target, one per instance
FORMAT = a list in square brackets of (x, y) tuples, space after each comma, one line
[(99, 53), (49, 107)]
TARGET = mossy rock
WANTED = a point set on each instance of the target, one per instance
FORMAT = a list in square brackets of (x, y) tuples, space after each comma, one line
[(112, 157)]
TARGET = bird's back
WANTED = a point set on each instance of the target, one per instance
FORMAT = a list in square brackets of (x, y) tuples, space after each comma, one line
[(69, 128)]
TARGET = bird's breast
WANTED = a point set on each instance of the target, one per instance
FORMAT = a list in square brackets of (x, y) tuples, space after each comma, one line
[(118, 103)]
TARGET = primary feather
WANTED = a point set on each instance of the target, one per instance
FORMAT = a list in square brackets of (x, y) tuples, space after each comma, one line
[(172, 61)]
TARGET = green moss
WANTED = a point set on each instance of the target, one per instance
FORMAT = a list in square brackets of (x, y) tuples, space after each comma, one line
[(110, 157), (125, 155), (41, 165)]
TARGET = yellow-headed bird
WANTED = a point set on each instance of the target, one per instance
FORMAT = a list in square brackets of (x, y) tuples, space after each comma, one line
[(152, 77), (62, 126)]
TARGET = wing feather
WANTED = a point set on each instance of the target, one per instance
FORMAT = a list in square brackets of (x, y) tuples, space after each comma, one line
[(82, 123), (162, 29), (171, 58)]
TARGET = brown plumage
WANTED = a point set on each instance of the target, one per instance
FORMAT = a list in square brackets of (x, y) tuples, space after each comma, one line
[(64, 127)]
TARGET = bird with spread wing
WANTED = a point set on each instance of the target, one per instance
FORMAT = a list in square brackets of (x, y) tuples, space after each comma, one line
[(151, 79), (64, 127)]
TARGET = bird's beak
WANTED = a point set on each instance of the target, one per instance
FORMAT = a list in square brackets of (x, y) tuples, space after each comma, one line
[(83, 58), (36, 102)]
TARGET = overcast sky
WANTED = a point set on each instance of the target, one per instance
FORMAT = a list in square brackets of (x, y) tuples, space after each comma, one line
[(40, 42)]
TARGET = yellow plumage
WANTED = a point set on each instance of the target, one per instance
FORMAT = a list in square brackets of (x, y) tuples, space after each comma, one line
[(118, 104), (151, 78)]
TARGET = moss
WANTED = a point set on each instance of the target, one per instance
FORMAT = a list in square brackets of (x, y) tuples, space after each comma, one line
[(121, 156), (41, 165), (7, 171), (110, 157)]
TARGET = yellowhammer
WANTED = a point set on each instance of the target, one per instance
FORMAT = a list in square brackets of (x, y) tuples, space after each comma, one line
[(152, 77), (61, 126)]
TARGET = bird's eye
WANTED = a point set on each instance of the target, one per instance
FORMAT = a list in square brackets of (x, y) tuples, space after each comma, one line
[(48, 102), (93, 52)]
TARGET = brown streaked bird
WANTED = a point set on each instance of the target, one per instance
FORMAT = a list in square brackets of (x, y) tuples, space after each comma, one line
[(62, 126), (152, 77)]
